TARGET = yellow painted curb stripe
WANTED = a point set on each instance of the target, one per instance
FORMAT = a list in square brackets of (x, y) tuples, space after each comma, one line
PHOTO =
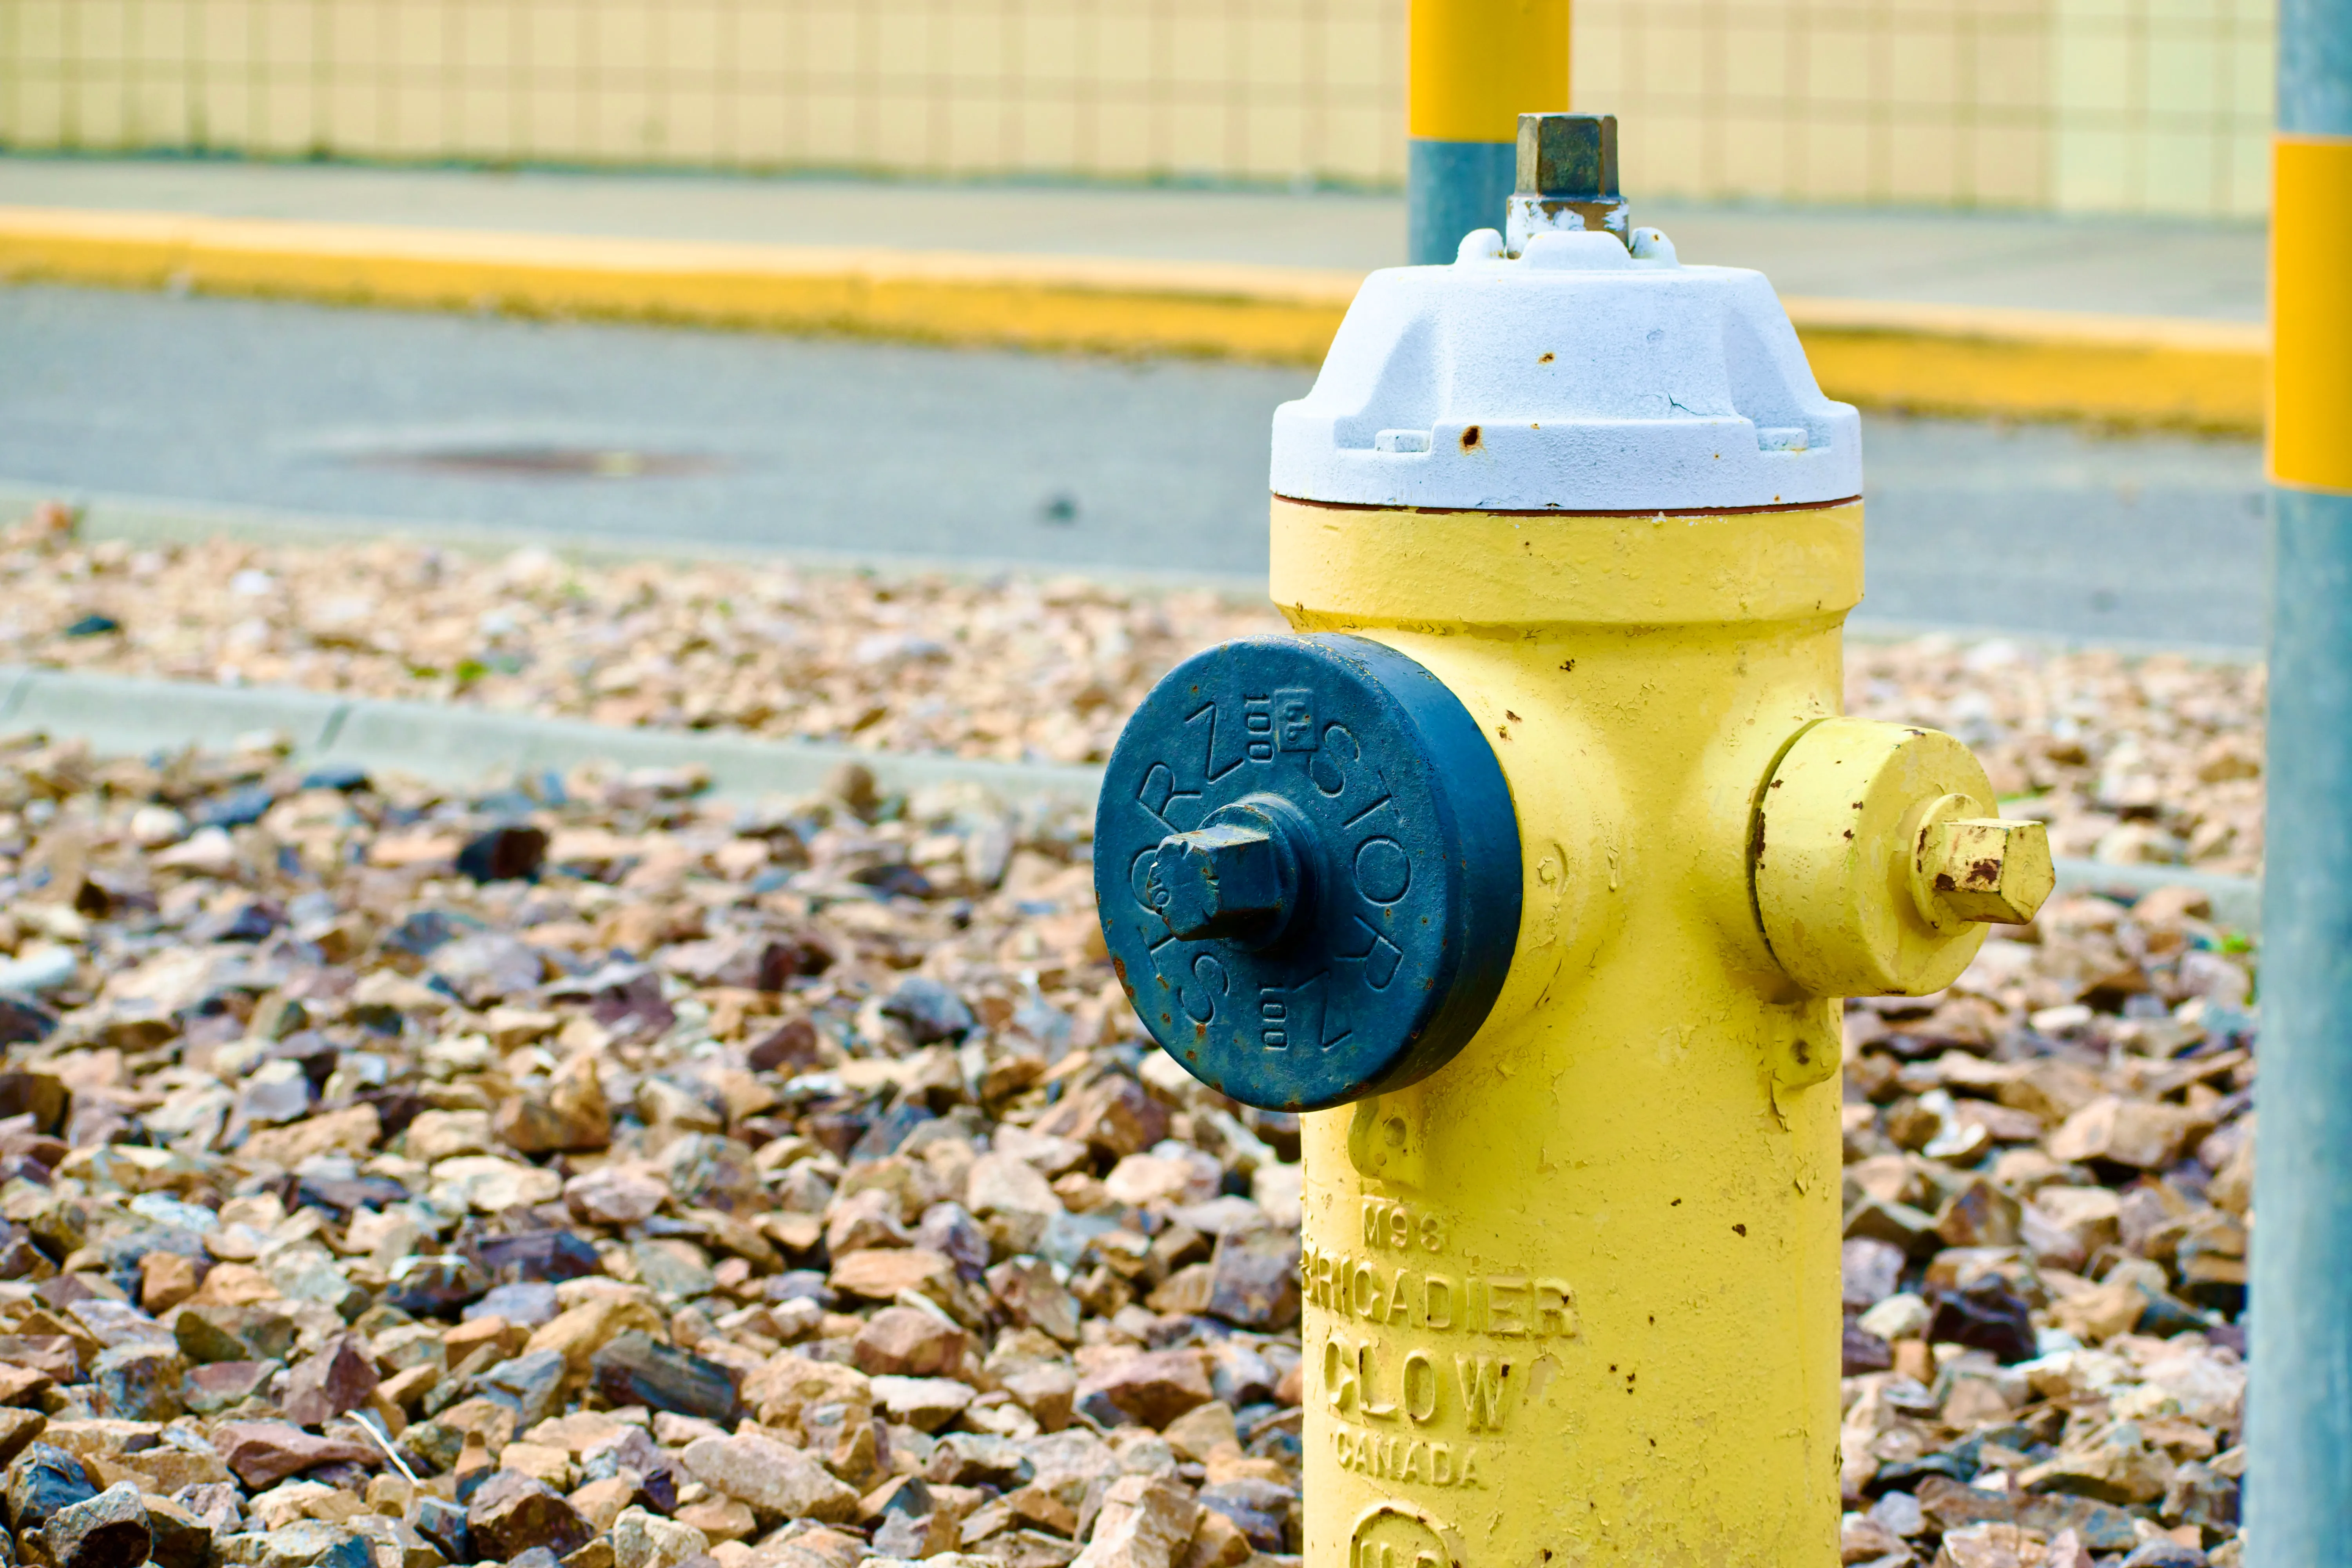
[(2310, 311), (1945, 359), (1953, 359), (1277, 313)]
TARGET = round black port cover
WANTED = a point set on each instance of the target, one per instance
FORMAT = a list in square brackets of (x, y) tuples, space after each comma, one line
[(1400, 902)]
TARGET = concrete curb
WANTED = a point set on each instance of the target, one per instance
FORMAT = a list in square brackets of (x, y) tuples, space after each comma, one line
[(454, 744), (457, 745), (1928, 358)]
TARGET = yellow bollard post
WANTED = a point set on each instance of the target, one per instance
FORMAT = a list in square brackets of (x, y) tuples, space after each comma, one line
[(1473, 67), (1550, 946), (2298, 1504)]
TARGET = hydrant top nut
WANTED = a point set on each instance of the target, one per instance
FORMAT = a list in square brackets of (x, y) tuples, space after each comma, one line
[(1307, 867)]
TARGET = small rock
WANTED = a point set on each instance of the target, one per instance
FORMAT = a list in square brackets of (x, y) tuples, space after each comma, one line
[(442, 1523), (42, 1480), (165, 1280), (1153, 1388), (881, 1273), (109, 1531), (2135, 1133), (614, 1195), (512, 1513), (771, 1477), (305, 1543), (926, 1403), (340, 1377), (930, 1010), (1115, 1116), (507, 853), (1202, 1430), (218, 1386), (1989, 1545), (636, 1369), (1864, 1352), (532, 1385), (211, 1333), (907, 1341), (1144, 1522), (526, 1303), (643, 1540), (178, 1538), (571, 1115), (1986, 1317), (139, 1382), (264, 1452), (1034, 1297), (1254, 1279)]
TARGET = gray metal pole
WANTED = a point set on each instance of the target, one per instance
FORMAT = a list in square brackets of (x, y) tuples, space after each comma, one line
[(2299, 1416)]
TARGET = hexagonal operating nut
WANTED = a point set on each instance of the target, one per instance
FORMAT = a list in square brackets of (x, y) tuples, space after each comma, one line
[(1987, 870), (1222, 880)]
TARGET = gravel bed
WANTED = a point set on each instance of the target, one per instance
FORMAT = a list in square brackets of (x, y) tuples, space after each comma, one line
[(2150, 761), (579, 1171)]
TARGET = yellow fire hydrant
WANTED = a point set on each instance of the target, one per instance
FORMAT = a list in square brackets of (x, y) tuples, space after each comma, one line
[(1534, 871)]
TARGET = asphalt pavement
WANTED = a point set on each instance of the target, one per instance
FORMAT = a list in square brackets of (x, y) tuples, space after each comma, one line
[(508, 430)]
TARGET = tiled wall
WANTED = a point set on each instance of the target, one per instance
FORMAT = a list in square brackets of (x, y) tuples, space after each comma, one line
[(2118, 105)]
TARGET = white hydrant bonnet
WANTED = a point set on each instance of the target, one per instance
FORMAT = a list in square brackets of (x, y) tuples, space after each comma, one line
[(1578, 376)]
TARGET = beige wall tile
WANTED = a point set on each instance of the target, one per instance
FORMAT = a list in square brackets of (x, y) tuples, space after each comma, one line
[(2066, 102)]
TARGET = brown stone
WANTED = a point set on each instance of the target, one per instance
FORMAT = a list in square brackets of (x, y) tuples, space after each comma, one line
[(353, 1130), (1153, 1388), (54, 1356), (1254, 1279), (907, 1341), (165, 1280), (512, 1513), (771, 1477), (1114, 1116), (1034, 1299), (340, 1377), (1143, 1523), (879, 1274), (1217, 1543), (589, 1327), (2124, 1132), (1047, 1390), (601, 1502), (263, 1453), (1979, 1215), (721, 1518), (570, 1115)]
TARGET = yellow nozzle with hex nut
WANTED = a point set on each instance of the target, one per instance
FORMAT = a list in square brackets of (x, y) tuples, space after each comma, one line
[(1879, 858)]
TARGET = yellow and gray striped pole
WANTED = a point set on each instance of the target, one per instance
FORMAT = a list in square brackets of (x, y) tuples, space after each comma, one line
[(1473, 67), (2299, 1479)]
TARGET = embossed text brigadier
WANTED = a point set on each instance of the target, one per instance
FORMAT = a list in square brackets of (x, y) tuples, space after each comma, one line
[(1533, 870)]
